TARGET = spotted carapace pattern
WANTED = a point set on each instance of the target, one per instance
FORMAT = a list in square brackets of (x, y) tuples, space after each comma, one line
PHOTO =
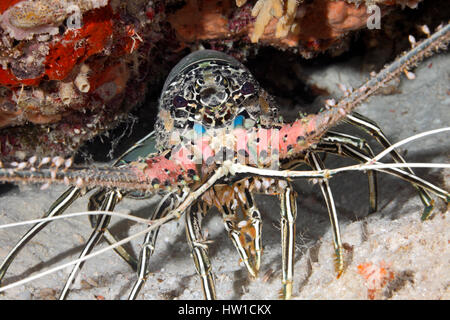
[(210, 90)]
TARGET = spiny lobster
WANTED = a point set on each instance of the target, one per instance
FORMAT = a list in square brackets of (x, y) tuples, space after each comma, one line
[(217, 142)]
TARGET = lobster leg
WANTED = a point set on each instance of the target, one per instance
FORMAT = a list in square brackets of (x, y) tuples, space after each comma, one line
[(332, 142), (57, 208), (288, 216), (95, 202), (199, 250), (316, 164), (108, 204), (360, 155), (374, 130), (165, 205)]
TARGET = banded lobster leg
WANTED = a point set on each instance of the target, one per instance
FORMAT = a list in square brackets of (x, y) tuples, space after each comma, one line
[(288, 206), (332, 142), (199, 249), (57, 208), (68, 197), (316, 163), (106, 200), (371, 175), (94, 204), (288, 215), (348, 146), (167, 203), (242, 191), (374, 130), (112, 197), (97, 200), (358, 149)]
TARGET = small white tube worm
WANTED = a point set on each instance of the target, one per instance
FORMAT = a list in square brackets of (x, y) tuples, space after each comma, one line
[(81, 81), (66, 92)]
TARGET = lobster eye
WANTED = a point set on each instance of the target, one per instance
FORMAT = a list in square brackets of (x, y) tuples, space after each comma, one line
[(247, 88), (179, 102)]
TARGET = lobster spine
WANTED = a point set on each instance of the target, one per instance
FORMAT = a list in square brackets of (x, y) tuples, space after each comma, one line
[(426, 48), (81, 177)]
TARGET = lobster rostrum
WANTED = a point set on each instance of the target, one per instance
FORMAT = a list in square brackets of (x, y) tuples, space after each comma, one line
[(218, 140)]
